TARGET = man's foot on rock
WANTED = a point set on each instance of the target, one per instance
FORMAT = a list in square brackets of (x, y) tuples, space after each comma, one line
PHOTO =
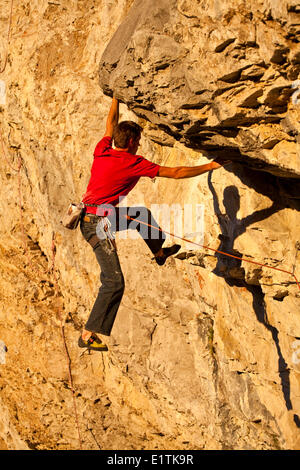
[(94, 343), (169, 251)]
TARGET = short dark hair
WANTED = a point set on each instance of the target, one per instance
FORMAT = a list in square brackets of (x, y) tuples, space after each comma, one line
[(125, 131)]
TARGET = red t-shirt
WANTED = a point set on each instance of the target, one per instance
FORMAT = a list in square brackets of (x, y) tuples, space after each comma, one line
[(113, 174)]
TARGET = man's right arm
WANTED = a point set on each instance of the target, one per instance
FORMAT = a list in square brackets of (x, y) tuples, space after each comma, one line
[(112, 118), (179, 172)]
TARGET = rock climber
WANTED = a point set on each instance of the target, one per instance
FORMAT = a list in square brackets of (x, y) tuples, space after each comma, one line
[(115, 172)]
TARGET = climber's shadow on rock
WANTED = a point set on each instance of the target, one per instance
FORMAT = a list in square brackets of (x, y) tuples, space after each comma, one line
[(232, 228), (231, 270)]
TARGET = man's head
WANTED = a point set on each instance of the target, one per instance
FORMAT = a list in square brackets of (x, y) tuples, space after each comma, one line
[(127, 136)]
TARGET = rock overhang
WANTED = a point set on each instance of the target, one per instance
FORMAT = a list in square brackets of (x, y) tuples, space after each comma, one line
[(218, 79)]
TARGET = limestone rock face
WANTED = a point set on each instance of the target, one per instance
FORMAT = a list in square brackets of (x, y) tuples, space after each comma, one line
[(205, 351), (217, 76)]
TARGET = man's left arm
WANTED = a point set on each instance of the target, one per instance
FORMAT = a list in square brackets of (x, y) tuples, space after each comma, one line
[(112, 118)]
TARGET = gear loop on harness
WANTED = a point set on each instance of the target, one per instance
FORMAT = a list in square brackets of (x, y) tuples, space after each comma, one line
[(104, 232)]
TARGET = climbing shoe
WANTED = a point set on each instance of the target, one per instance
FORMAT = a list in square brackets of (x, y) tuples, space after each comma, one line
[(94, 343), (172, 250)]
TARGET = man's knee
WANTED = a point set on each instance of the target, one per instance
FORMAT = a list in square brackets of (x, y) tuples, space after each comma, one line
[(120, 282), (113, 280), (117, 282)]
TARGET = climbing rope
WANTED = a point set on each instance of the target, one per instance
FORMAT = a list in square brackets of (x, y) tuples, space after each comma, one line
[(62, 327), (217, 251), (25, 244), (52, 270)]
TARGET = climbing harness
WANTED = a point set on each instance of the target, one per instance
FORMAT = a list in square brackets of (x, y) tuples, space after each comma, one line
[(103, 229), (76, 212)]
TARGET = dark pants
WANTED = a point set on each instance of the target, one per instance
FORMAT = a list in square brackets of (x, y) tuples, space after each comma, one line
[(111, 291)]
